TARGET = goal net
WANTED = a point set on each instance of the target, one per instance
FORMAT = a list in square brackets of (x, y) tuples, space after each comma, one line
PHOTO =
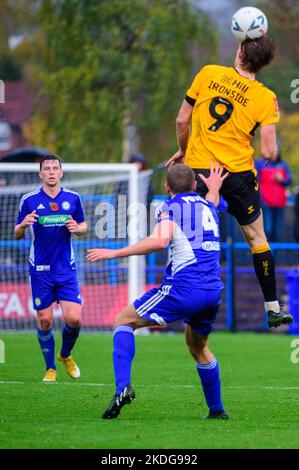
[(114, 198)]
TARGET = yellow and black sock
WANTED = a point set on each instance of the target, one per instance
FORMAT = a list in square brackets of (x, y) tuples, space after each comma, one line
[(264, 266)]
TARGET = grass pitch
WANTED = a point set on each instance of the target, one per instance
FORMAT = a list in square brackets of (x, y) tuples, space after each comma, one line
[(260, 392)]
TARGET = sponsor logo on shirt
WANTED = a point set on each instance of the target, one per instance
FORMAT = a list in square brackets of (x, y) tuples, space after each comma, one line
[(66, 205), (41, 206), (54, 206), (211, 246), (53, 220), (45, 267)]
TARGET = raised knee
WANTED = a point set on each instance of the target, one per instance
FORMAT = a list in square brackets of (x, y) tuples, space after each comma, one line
[(45, 324), (123, 318), (121, 321), (74, 323)]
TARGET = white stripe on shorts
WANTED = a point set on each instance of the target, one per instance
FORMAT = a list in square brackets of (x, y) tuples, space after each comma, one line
[(165, 290), (149, 304)]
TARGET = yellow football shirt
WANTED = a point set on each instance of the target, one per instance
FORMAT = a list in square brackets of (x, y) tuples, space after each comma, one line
[(228, 109)]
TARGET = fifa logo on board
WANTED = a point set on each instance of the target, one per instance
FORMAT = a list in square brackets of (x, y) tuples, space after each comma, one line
[(2, 352)]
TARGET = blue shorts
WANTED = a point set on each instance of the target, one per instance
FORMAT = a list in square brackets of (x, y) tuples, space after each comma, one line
[(168, 303), (47, 287)]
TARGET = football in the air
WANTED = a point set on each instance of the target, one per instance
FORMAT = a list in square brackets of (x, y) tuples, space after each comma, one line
[(249, 22)]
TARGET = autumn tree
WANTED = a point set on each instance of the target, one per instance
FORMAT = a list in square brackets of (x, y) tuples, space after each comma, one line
[(109, 62)]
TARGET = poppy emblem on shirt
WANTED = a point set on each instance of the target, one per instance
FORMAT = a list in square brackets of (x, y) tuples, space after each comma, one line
[(54, 206)]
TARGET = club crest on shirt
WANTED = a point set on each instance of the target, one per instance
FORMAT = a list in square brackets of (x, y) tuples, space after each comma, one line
[(65, 205), (54, 206)]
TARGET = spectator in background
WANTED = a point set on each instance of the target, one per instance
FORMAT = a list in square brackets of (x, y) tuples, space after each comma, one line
[(139, 160), (274, 179)]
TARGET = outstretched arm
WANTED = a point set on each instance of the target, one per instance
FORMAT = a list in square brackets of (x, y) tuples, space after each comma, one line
[(183, 122), (214, 182), (158, 240)]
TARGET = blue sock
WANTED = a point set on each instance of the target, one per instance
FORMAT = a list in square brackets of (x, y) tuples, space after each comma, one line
[(210, 381), (69, 337), (123, 355), (47, 345)]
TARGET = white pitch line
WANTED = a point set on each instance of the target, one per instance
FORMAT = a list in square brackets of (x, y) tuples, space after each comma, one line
[(281, 388), (3, 382), (262, 388), (82, 384)]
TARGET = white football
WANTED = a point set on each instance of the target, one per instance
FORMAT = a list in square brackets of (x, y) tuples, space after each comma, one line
[(249, 22)]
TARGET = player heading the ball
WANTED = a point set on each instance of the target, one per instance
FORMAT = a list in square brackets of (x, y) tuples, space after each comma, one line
[(222, 109)]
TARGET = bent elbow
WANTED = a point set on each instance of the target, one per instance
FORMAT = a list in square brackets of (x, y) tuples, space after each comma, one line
[(17, 236), (181, 121), (163, 243)]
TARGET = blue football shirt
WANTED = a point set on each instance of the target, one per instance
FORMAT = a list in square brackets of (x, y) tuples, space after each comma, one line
[(195, 246), (51, 248)]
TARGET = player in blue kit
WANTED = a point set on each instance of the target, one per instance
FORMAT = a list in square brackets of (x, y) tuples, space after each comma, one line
[(191, 288), (53, 214)]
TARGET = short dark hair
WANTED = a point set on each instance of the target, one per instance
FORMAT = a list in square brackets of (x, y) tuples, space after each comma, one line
[(257, 53), (49, 157), (180, 178)]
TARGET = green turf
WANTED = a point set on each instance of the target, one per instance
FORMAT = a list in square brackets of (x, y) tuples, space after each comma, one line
[(257, 377)]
